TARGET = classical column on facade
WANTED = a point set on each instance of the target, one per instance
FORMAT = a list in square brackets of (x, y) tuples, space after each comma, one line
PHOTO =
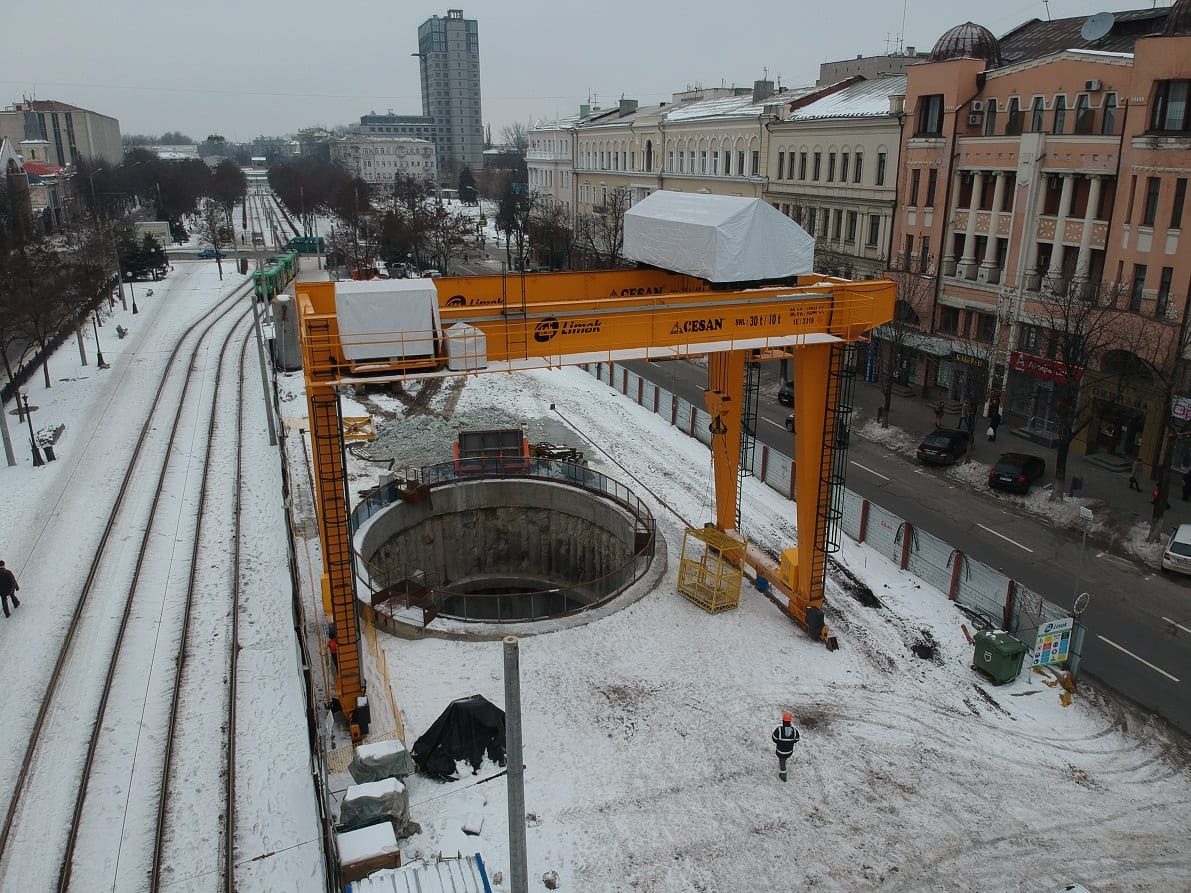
[(967, 265), (948, 224), (1055, 273), (990, 267), (1083, 260)]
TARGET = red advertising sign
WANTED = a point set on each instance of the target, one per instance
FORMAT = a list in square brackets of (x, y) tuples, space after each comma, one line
[(1039, 367)]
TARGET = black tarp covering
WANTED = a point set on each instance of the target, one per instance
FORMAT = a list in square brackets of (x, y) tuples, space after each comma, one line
[(467, 730)]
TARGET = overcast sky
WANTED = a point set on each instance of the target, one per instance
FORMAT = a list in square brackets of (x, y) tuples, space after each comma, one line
[(247, 68)]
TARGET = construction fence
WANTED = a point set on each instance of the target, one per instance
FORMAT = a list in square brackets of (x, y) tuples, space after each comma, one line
[(985, 593)]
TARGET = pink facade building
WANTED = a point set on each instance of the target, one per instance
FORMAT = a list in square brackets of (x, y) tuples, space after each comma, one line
[(1049, 163)]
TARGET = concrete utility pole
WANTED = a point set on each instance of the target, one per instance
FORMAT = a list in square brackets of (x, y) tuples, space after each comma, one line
[(519, 874)]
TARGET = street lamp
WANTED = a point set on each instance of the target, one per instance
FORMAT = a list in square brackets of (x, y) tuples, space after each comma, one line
[(37, 460), (98, 350)]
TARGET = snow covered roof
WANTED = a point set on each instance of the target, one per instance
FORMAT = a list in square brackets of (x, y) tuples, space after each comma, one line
[(741, 106), (864, 99)]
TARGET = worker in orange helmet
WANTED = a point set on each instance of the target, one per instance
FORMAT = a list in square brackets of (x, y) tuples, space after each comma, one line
[(785, 737)]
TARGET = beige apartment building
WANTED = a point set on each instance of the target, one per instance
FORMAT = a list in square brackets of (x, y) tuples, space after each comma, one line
[(1059, 157), (832, 167), (379, 160)]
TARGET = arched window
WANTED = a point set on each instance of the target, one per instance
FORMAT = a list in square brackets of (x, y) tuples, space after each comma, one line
[(648, 155), (1060, 114), (1108, 123), (1083, 114), (1013, 118), (990, 118)]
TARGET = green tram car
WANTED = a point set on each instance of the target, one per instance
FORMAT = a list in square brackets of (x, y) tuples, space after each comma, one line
[(276, 277)]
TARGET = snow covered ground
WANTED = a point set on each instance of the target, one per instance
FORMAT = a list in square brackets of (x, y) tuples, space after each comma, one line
[(648, 760)]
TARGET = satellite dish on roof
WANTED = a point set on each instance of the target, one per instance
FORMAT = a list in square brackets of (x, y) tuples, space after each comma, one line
[(1097, 26)]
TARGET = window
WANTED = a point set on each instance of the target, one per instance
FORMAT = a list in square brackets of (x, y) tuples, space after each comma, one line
[(801, 165), (1108, 123), (881, 168), (818, 164), (830, 167), (1170, 106), (1037, 113), (924, 255), (915, 179), (1013, 117), (1180, 196), (930, 115), (702, 161), (932, 180), (1153, 187), (856, 169), (852, 220), (986, 326), (1060, 114), (826, 222), (810, 222), (874, 230), (843, 167), (1164, 291), (1139, 281), (740, 163), (839, 223), (715, 164), (949, 320), (756, 164), (990, 118), (1083, 114), (727, 164), (909, 252), (781, 164), (1032, 339)]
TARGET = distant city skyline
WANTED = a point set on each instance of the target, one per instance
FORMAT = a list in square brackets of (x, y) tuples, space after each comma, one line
[(241, 71)]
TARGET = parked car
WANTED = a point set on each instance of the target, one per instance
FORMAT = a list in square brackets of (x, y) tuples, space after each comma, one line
[(431, 274), (943, 446), (1177, 554), (790, 423), (785, 395), (1016, 472), (208, 253)]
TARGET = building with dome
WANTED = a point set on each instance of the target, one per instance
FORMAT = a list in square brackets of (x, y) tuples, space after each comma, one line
[(1053, 160)]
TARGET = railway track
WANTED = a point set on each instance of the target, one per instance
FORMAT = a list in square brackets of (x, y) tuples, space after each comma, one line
[(93, 791)]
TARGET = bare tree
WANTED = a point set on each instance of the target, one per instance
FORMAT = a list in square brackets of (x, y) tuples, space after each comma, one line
[(599, 236), (514, 211), (43, 304), (516, 136), (908, 329), (550, 233), (214, 229)]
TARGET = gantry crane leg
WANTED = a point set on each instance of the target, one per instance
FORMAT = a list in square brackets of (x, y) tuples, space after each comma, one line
[(725, 392)]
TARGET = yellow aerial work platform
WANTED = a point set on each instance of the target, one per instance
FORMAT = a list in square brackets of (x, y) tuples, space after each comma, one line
[(710, 570)]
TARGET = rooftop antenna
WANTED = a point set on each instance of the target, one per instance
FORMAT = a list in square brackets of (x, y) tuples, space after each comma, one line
[(901, 34), (1046, 3)]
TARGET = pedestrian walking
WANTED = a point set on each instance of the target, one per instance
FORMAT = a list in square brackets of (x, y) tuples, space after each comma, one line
[(1186, 486), (1135, 476), (965, 418), (994, 422), (8, 588), (785, 737), (939, 407)]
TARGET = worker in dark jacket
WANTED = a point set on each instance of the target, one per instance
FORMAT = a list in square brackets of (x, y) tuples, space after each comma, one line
[(785, 737), (8, 588)]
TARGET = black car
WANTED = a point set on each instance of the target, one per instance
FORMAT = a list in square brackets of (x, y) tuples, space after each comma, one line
[(790, 423), (1016, 472), (785, 396), (943, 446)]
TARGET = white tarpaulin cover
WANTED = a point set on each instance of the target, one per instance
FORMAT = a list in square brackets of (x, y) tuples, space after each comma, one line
[(720, 238), (387, 318), (467, 347)]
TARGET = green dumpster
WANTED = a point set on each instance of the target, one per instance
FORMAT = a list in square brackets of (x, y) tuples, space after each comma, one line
[(998, 654)]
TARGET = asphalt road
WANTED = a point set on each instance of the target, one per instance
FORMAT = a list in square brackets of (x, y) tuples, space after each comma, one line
[(1139, 623)]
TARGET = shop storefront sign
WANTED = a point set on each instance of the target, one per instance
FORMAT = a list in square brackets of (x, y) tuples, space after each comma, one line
[(1039, 367), (1180, 408), (967, 360)]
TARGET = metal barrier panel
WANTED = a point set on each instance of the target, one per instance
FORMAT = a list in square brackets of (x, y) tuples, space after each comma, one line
[(853, 506), (883, 528), (702, 425), (982, 589), (929, 558), (778, 472), (683, 420)]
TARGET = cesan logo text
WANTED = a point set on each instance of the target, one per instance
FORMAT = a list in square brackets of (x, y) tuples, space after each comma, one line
[(691, 326)]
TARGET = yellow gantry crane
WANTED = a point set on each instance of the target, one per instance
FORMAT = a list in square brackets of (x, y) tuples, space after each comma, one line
[(542, 321)]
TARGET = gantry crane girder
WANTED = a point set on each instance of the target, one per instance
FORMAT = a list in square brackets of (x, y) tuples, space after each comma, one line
[(550, 320)]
